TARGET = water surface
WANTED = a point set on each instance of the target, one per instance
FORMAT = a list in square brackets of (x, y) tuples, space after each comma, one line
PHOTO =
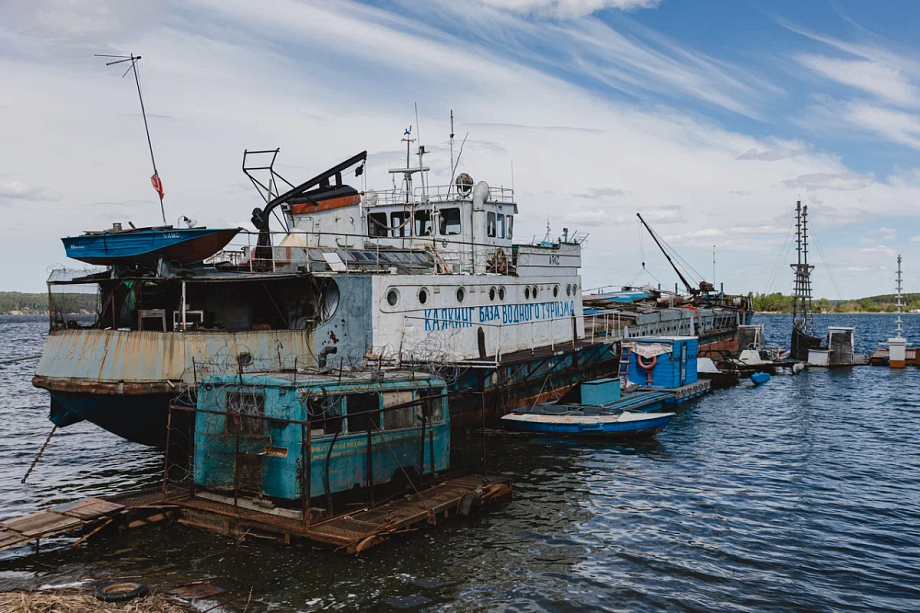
[(802, 495)]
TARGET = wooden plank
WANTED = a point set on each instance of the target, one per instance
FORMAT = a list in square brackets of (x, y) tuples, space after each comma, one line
[(42, 523), (88, 508), (10, 539)]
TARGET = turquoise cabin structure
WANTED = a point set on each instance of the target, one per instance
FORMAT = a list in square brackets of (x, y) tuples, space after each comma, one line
[(252, 432)]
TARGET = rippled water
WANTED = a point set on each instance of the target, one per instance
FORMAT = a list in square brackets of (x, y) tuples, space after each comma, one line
[(802, 495)]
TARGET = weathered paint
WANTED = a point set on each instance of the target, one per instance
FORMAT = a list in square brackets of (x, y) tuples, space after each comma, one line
[(115, 356), (277, 449)]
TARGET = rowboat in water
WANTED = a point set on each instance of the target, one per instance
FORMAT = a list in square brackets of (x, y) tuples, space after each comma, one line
[(581, 420)]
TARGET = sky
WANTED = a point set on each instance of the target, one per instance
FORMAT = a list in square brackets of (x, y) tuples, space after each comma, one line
[(710, 118)]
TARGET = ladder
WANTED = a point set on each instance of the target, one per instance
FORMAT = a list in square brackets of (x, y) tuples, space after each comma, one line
[(624, 364)]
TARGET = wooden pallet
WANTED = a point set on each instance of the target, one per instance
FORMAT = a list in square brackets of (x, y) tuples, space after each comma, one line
[(57, 520), (354, 531)]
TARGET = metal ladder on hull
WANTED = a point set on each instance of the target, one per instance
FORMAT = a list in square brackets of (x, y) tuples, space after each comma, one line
[(623, 372)]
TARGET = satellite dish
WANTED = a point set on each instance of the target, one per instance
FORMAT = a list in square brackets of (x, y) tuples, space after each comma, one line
[(370, 198), (464, 184), (480, 193)]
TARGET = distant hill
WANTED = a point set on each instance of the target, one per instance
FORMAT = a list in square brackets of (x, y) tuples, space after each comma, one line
[(17, 303)]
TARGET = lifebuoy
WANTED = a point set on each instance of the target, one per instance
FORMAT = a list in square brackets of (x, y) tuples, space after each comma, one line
[(647, 367)]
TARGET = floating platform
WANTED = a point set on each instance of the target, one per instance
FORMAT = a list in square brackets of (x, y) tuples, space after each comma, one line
[(684, 393), (353, 531), (88, 515)]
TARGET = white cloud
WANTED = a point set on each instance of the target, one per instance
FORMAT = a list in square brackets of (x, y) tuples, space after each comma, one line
[(778, 150), (567, 9), (844, 181), (882, 230), (915, 239), (897, 126), (538, 92), (880, 249), (17, 190), (886, 82)]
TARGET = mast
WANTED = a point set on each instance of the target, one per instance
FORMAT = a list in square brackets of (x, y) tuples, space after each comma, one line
[(155, 179), (802, 316), (899, 296)]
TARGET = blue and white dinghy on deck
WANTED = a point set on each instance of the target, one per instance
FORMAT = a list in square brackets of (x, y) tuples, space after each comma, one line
[(586, 421)]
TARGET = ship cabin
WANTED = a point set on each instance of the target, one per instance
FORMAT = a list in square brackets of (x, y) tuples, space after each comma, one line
[(255, 433)]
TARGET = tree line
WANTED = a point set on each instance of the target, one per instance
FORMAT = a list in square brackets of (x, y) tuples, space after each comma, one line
[(72, 302), (780, 303)]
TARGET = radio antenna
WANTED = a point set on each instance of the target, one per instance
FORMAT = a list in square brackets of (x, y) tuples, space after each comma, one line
[(155, 179)]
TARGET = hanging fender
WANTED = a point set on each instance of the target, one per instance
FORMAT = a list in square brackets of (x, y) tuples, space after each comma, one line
[(646, 365)]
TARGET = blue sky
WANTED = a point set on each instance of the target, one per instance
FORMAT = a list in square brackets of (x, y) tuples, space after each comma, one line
[(711, 118)]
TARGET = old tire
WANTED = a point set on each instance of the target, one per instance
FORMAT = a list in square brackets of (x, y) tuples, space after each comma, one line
[(120, 591)]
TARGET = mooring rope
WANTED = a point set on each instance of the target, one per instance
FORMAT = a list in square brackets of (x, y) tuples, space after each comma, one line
[(28, 357), (39, 454)]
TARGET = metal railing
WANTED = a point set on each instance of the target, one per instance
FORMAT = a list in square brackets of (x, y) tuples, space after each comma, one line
[(182, 460), (433, 194)]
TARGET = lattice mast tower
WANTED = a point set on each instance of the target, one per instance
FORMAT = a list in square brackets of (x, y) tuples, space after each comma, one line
[(802, 315)]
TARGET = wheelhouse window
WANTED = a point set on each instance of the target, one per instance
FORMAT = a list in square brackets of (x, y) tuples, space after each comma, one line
[(423, 223), (501, 226), (377, 225), (363, 412), (324, 414), (400, 418), (510, 232), (490, 225), (450, 222), (242, 404), (434, 402), (398, 225)]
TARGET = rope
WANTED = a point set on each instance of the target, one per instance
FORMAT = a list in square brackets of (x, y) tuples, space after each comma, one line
[(28, 357), (39, 455)]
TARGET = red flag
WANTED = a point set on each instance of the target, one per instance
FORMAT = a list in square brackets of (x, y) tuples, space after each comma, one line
[(157, 184)]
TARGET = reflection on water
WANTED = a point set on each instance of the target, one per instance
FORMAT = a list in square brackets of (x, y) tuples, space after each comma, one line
[(800, 495)]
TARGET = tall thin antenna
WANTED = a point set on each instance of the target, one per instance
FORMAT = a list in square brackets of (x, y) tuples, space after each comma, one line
[(713, 265), (452, 141), (155, 179), (512, 176)]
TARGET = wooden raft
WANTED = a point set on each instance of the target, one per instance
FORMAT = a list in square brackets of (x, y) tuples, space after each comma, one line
[(56, 520)]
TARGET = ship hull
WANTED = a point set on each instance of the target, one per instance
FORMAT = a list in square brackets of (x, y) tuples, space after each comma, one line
[(478, 395)]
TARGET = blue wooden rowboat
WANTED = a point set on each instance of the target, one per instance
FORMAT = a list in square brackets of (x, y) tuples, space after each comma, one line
[(148, 245), (579, 420)]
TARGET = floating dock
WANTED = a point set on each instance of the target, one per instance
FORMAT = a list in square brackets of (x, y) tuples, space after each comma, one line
[(353, 531)]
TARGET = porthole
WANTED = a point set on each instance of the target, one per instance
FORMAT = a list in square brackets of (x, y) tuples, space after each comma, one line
[(568, 289), (461, 294), (501, 293), (392, 297), (422, 296), (535, 292), (574, 289), (527, 293), (555, 291), (492, 294)]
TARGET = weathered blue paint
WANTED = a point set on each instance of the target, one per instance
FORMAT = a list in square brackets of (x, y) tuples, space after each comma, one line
[(275, 447), (147, 244), (600, 391), (673, 369)]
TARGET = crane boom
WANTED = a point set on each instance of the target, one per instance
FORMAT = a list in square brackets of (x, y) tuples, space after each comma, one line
[(689, 287)]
